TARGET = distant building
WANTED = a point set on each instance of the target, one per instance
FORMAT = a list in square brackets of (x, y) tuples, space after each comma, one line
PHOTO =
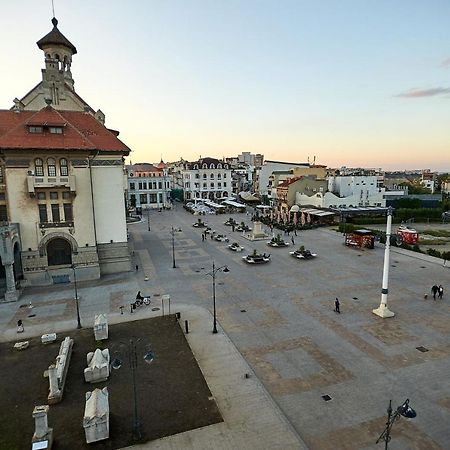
[(149, 186), (205, 179)]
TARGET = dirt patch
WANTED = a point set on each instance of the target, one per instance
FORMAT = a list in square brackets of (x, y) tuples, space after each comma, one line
[(172, 394)]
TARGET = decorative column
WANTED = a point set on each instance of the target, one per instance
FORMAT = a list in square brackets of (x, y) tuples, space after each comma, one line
[(11, 294), (42, 431), (383, 310)]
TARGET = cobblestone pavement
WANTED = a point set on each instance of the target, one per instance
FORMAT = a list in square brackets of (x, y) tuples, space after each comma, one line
[(280, 316)]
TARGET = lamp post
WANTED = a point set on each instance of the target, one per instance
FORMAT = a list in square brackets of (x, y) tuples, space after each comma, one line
[(133, 363), (172, 232), (148, 218), (76, 296), (403, 410), (213, 275)]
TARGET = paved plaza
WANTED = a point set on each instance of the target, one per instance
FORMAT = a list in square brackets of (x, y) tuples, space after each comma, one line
[(280, 317)]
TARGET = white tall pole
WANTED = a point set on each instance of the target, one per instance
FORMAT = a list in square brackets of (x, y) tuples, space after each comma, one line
[(383, 310)]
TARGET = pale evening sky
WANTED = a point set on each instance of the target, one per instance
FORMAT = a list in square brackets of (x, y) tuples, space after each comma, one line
[(354, 82)]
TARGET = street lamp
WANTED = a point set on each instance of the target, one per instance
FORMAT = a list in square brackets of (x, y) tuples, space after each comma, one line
[(403, 410), (148, 218), (76, 296), (213, 275), (133, 362), (173, 247)]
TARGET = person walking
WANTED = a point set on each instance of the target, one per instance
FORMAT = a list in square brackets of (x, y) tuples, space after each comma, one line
[(434, 291), (440, 291), (137, 267), (203, 237), (337, 306), (295, 231), (292, 240)]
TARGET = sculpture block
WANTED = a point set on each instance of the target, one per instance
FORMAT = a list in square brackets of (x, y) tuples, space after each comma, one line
[(43, 435), (98, 366), (100, 327), (96, 415)]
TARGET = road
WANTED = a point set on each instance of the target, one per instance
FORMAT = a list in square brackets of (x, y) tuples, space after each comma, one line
[(280, 317)]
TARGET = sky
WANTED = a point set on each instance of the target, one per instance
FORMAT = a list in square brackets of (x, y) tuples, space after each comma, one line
[(356, 83)]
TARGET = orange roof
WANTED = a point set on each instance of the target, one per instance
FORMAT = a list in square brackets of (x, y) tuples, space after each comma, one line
[(81, 131)]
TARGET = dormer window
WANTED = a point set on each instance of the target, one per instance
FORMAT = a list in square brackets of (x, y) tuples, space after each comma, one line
[(55, 130), (35, 129)]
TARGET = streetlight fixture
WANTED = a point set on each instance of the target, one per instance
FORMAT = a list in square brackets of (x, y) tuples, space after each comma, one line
[(173, 247), (133, 363), (213, 275), (148, 218), (403, 410), (76, 296)]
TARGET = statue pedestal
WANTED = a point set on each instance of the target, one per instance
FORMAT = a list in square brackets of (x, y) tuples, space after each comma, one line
[(383, 311)]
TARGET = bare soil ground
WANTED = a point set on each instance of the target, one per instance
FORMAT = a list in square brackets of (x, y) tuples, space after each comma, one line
[(172, 394)]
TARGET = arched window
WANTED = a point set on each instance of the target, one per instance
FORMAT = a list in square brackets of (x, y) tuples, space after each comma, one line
[(219, 176), (225, 166), (39, 167), (51, 167), (219, 166), (63, 169), (205, 176), (211, 176), (59, 252), (196, 167), (211, 166), (204, 166)]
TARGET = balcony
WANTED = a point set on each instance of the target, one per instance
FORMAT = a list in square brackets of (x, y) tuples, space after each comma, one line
[(35, 182)]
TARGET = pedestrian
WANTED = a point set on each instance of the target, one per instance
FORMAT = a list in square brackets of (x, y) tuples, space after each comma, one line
[(336, 305), (295, 231), (292, 239), (20, 328), (434, 291), (440, 291), (203, 237), (137, 267)]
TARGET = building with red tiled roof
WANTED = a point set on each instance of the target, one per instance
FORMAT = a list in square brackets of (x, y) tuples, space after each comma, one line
[(62, 182)]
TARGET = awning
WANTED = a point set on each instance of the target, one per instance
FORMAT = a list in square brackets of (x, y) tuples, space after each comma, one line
[(317, 212), (235, 204)]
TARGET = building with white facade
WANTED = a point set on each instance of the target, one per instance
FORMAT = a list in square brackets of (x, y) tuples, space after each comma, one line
[(346, 191), (205, 179), (62, 182), (149, 186)]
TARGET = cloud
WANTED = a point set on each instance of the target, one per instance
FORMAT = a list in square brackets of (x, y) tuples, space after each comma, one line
[(416, 93), (446, 63)]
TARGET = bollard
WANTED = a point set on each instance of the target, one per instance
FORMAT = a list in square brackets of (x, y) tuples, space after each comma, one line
[(177, 316), (186, 326)]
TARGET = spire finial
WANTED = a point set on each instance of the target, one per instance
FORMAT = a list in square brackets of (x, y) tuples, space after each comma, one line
[(55, 22)]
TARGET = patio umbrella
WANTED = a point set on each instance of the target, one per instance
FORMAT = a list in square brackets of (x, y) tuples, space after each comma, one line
[(295, 218), (308, 218), (303, 218), (278, 216)]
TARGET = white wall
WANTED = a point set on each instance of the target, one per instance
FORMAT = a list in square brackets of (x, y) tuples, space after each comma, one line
[(110, 221)]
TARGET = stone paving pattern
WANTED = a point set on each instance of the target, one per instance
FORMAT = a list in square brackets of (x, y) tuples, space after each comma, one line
[(280, 317)]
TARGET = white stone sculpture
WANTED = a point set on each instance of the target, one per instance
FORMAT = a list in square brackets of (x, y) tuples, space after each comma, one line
[(57, 372), (42, 433), (100, 327), (96, 415), (21, 345), (47, 338), (98, 366)]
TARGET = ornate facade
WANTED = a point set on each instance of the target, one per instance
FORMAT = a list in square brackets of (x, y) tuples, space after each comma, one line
[(62, 211)]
